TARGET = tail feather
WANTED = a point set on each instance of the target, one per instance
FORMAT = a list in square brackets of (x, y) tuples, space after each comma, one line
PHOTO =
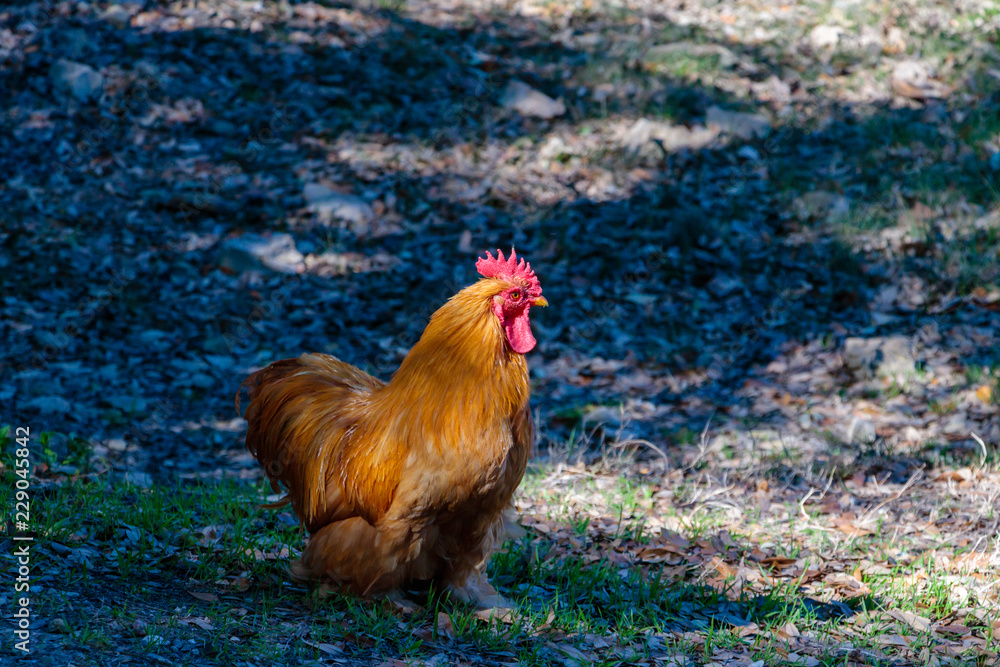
[(297, 415)]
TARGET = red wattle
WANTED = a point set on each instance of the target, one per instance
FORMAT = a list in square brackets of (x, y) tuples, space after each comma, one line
[(519, 335)]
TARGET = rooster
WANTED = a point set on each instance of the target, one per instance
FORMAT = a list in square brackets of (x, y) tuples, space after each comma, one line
[(409, 480)]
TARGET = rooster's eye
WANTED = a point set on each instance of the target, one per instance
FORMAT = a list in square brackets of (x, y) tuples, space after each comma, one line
[(515, 295)]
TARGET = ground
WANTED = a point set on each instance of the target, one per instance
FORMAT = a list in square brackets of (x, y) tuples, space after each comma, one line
[(766, 390)]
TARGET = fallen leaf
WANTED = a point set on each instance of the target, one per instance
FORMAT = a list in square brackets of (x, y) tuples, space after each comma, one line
[(443, 625), (777, 562), (199, 621), (329, 649), (207, 597), (918, 623), (891, 640)]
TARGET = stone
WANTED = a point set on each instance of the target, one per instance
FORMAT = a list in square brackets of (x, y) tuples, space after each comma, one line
[(773, 90), (885, 357), (821, 205), (118, 16), (253, 252), (59, 626), (663, 53), (737, 123), (330, 205), (81, 82), (638, 135), (894, 42), (861, 432), (641, 137), (51, 405), (914, 79), (140, 479), (724, 285), (825, 37), (525, 100)]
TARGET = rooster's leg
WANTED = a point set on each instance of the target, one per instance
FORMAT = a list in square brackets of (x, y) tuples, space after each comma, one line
[(476, 590)]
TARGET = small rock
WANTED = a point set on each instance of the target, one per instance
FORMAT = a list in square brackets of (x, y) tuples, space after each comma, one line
[(553, 148), (197, 380), (140, 479), (955, 425), (51, 405), (128, 404), (465, 242), (637, 136), (894, 42), (604, 414), (58, 625), (825, 37), (525, 100), (117, 16), (117, 445), (251, 252), (736, 123), (675, 137), (773, 90), (153, 640), (888, 357), (821, 205), (330, 205), (861, 432), (664, 53), (897, 358), (869, 41), (139, 627), (914, 79), (640, 137), (723, 285), (76, 80)]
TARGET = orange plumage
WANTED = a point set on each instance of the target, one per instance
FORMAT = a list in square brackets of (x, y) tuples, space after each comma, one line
[(408, 480)]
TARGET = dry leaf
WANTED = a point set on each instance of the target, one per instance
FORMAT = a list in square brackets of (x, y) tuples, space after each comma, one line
[(199, 621), (918, 623), (850, 529), (329, 649), (788, 630), (443, 625), (207, 597), (959, 475), (777, 562), (722, 567), (892, 640)]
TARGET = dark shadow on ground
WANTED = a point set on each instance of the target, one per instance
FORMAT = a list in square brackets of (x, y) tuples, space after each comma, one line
[(700, 269)]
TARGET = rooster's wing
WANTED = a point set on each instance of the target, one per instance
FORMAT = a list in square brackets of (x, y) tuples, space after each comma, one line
[(309, 425)]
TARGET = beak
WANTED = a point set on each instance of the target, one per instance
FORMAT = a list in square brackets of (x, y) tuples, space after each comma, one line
[(540, 301)]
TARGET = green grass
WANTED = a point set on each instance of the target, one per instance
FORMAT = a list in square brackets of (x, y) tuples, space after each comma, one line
[(199, 566), (125, 554), (121, 537)]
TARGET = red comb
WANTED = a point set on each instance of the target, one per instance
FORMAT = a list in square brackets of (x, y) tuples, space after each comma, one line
[(505, 268)]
